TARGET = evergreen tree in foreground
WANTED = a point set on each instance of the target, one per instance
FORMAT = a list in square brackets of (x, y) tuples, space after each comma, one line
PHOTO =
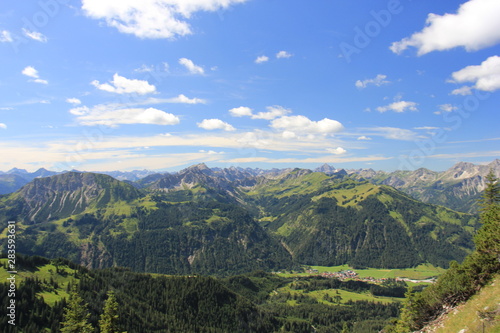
[(461, 281), (76, 315), (109, 318), (487, 239)]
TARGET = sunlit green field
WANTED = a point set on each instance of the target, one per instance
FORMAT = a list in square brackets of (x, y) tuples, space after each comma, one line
[(421, 272)]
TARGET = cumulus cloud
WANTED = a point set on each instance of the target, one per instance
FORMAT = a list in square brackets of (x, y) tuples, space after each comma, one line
[(365, 138), (337, 151), (379, 80), (399, 107), (3, 126), (446, 108), (292, 125), (191, 67), (464, 91), (474, 27), (104, 115), (5, 37), (283, 55), (74, 101), (33, 73), (288, 135), (35, 35), (30, 71), (182, 99), (241, 111), (122, 85), (261, 59), (151, 19), (213, 124), (272, 113), (485, 76)]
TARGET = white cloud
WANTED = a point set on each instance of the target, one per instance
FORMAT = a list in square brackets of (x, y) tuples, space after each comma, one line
[(426, 128), (3, 126), (303, 125), (272, 113), (144, 69), (474, 26), (464, 91), (261, 59), (379, 80), (33, 73), (182, 99), (40, 81), (485, 76), (5, 37), (74, 101), (80, 111), (122, 85), (211, 152), (108, 116), (394, 133), (30, 71), (35, 35), (152, 19), (283, 55), (240, 111), (337, 151), (213, 124), (288, 135), (446, 108), (364, 138), (191, 67), (399, 106)]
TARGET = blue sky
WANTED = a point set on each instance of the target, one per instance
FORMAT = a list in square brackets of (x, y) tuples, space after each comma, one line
[(103, 85)]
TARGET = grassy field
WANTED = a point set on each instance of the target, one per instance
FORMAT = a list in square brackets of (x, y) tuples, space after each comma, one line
[(421, 272), (466, 318), (62, 277), (345, 296)]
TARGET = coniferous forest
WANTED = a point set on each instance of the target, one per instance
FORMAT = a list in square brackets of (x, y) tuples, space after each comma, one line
[(221, 255)]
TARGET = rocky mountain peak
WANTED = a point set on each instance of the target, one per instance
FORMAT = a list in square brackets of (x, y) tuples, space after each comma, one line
[(326, 168)]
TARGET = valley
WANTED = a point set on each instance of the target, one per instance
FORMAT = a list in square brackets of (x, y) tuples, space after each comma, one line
[(297, 248)]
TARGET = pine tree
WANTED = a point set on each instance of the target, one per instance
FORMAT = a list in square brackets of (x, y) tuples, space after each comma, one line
[(109, 318), (345, 328), (487, 239), (76, 315)]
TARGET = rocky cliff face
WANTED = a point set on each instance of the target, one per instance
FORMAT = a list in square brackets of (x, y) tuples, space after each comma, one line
[(458, 187), (70, 193)]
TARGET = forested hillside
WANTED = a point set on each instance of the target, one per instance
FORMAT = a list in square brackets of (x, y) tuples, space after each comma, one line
[(50, 291), (230, 221), (462, 280)]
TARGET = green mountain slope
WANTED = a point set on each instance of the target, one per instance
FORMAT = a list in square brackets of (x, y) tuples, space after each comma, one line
[(327, 220), (98, 221), (201, 221), (56, 197)]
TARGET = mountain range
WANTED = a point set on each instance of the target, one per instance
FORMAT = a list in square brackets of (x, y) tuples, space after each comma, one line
[(233, 220), (457, 188)]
